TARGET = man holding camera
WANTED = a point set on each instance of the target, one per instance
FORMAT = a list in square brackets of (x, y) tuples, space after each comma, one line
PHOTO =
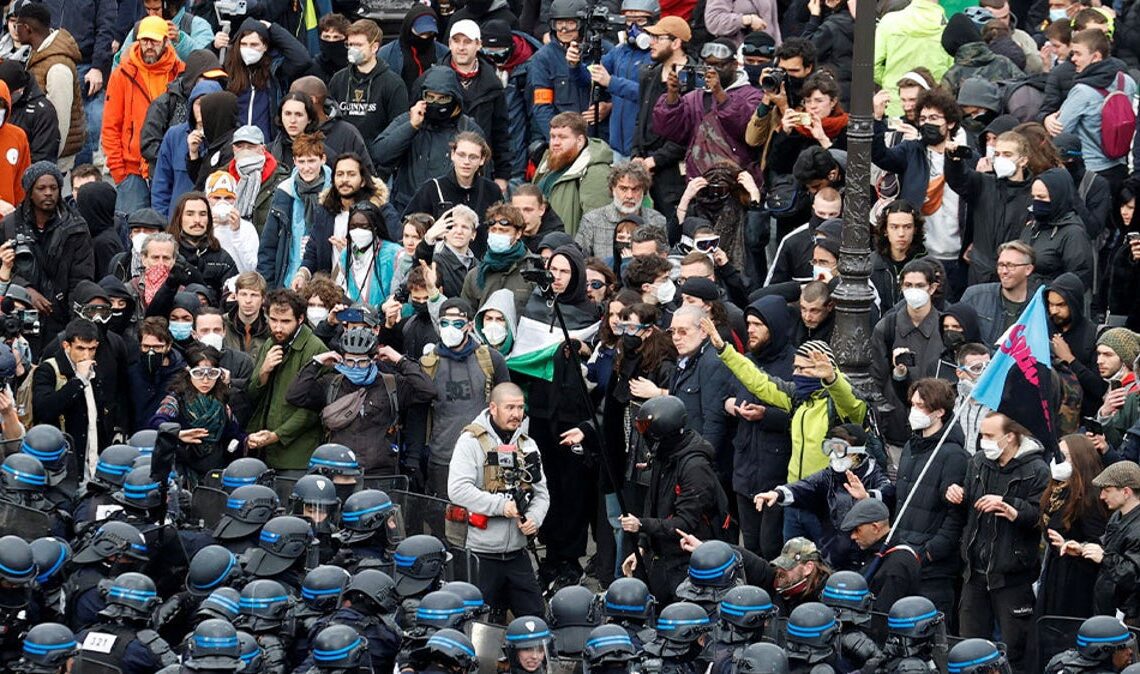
[(795, 61), (552, 90)]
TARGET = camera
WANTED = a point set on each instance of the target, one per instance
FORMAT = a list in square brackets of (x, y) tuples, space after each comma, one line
[(597, 23), (23, 245), (773, 78), (401, 294), (232, 7), (540, 277), (691, 77), (960, 152), (905, 358)]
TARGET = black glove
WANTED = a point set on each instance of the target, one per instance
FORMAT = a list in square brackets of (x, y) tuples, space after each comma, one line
[(180, 275)]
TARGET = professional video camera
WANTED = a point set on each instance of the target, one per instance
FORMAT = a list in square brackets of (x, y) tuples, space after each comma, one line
[(23, 322), (597, 24)]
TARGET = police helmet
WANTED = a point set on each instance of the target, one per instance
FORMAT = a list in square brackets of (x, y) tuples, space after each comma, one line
[(375, 586), (129, 595), (679, 627), (139, 490), (144, 441), (812, 632), (251, 653), (976, 656), (363, 514), (47, 648), (264, 604), (571, 616), (113, 465), (440, 609), (333, 459), (23, 472), (223, 603), (211, 567), (283, 540), (848, 594), (628, 599), (321, 587), (650, 6), (567, 9), (913, 624), (661, 417), (714, 568), (527, 632), (248, 508), (246, 471), (473, 604), (18, 570), (607, 645), (339, 647), (746, 610), (214, 645), (447, 647), (761, 658), (51, 554), (50, 446), (112, 539), (358, 342), (420, 562), (1100, 636), (312, 490)]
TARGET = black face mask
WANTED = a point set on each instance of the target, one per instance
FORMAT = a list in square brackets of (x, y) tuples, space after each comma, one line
[(478, 7), (931, 134), (152, 361), (439, 112), (630, 343), (343, 491), (952, 339), (753, 74), (814, 222), (419, 307), (334, 54)]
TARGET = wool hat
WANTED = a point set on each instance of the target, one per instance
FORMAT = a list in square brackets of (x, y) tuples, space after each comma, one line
[(39, 170), (1123, 342)]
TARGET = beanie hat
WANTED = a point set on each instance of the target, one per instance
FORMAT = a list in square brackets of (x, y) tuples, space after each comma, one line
[(806, 349), (959, 30), (39, 170), (1123, 342)]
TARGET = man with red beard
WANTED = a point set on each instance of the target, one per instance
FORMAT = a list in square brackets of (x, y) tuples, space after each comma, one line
[(574, 171)]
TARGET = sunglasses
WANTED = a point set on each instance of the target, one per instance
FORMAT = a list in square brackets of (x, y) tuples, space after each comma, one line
[(210, 373), (705, 245), (456, 323), (595, 285)]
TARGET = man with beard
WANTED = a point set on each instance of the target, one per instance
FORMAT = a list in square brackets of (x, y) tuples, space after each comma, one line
[(629, 183), (150, 65), (510, 51), (1074, 338), (285, 434), (572, 173), (661, 156), (816, 315)]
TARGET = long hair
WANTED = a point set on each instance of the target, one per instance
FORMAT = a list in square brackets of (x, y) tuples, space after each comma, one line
[(656, 347), (184, 389), (1042, 153), (1087, 464), (310, 111), (883, 244), (175, 226), (625, 298), (243, 77), (331, 199)]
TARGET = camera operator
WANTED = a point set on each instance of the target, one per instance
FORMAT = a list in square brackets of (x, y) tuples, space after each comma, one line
[(19, 321), (52, 244), (795, 60)]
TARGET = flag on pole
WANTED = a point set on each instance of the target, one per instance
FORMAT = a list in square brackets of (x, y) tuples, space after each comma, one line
[(1018, 381), (535, 345)]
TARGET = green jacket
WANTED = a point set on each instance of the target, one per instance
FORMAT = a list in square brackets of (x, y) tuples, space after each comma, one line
[(906, 39), (583, 186), (299, 430), (1118, 424), (811, 419)]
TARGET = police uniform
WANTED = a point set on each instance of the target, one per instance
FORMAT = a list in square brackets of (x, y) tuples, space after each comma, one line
[(485, 474), (120, 647)]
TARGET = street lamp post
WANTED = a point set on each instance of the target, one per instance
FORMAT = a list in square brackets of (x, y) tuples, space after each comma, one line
[(852, 338)]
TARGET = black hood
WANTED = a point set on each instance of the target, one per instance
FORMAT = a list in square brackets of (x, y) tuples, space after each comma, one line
[(575, 292), (116, 288), (443, 80), (414, 13), (1070, 287), (1101, 74), (96, 203), (85, 291), (219, 110), (967, 318), (198, 62), (773, 311), (1061, 192)]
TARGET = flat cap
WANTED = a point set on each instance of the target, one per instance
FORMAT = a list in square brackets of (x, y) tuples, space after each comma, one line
[(1119, 474), (865, 511)]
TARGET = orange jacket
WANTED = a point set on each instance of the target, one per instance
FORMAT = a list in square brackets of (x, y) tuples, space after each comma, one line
[(130, 90), (15, 154)]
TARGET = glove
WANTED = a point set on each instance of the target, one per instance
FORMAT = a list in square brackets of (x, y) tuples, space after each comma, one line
[(179, 275), (411, 468)]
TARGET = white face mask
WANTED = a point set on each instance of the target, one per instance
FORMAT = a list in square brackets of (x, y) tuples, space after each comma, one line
[(919, 421), (821, 273), (250, 55), (990, 151), (990, 448), (213, 339), (496, 333), (841, 465), (316, 315), (1004, 167), (451, 336), (916, 298), (965, 386), (361, 238), (499, 243), (1058, 15), (137, 242), (666, 291), (222, 211), (1061, 472), (355, 55)]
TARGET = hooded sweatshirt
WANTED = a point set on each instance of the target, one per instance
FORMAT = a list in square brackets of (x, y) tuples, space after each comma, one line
[(409, 57), (96, 203), (503, 301), (173, 106), (1080, 113), (172, 178), (1080, 334), (1061, 242), (369, 101), (16, 154), (132, 87)]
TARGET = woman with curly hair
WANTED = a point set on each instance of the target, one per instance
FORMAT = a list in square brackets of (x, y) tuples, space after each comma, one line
[(898, 240), (722, 196)]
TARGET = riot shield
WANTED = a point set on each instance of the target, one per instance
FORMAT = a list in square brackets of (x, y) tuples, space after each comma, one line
[(562, 665), (877, 630), (1055, 634), (464, 565), (422, 514), (207, 505), (386, 483), (284, 488), (488, 642), (778, 630), (27, 523)]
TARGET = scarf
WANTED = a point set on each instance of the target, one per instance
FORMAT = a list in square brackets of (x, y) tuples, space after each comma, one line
[(362, 272), (249, 168), (460, 355), (499, 262), (153, 279), (358, 376), (833, 124), (209, 413), (309, 193)]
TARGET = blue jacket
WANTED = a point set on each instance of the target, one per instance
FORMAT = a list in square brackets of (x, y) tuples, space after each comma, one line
[(908, 160), (622, 63), (148, 391), (1080, 114), (171, 177), (702, 385), (273, 260), (92, 24), (549, 70), (519, 109)]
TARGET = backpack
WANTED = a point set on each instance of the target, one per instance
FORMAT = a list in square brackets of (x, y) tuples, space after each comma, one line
[(1117, 120), (24, 392), (1022, 97), (723, 526), (430, 363)]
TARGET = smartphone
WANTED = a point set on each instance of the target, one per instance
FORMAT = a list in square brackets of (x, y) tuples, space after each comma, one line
[(1133, 236), (1092, 426), (1115, 384), (905, 358)]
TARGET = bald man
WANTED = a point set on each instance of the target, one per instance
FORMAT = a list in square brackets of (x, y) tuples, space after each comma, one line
[(497, 475), (340, 135)]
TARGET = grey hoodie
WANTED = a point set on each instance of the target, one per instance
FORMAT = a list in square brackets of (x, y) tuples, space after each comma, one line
[(502, 300)]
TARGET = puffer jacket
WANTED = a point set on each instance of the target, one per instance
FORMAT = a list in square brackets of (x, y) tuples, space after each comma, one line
[(811, 418), (1061, 244), (60, 49), (1006, 553), (35, 114), (931, 524), (974, 59), (465, 487)]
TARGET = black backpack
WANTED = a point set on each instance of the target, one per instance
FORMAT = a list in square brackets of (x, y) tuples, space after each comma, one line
[(1022, 97)]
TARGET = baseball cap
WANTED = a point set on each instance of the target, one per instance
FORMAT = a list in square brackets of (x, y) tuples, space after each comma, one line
[(249, 134), (796, 550), (865, 511), (425, 24), (674, 26), (221, 184), (1119, 474), (466, 27), (151, 28)]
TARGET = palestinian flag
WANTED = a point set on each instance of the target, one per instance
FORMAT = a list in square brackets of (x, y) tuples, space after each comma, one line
[(535, 345)]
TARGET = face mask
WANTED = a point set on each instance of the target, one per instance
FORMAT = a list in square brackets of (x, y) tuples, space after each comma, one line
[(343, 491), (1042, 210), (213, 339), (819, 272), (334, 54), (1058, 15), (499, 243), (439, 112), (358, 376), (316, 314), (965, 386), (152, 361), (137, 242), (990, 448), (451, 336), (919, 421), (842, 465), (181, 330), (419, 307), (952, 339), (916, 298), (638, 38), (753, 74), (666, 291), (1061, 472), (361, 238), (1004, 167), (355, 55), (931, 134), (222, 211), (630, 343), (805, 386), (250, 56), (496, 333)]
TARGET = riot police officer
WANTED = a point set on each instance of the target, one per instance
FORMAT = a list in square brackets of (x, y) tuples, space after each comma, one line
[(846, 592), (266, 613), (743, 615), (1104, 646), (113, 548), (281, 552), (682, 630), (320, 597), (915, 630), (474, 607), (627, 602), (448, 649), (369, 603), (247, 510), (223, 603), (46, 650), (24, 484), (17, 608), (51, 556), (762, 658), (369, 525), (214, 646), (337, 463), (977, 656), (437, 610), (115, 461), (246, 471), (714, 568), (609, 650), (340, 649), (122, 640), (314, 498), (420, 563), (211, 567), (572, 614), (527, 645), (250, 652), (813, 639), (48, 444)]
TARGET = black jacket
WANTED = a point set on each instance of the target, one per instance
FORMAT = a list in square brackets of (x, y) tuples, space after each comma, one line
[(682, 495), (1062, 244), (1119, 578), (342, 136), (35, 114), (931, 524), (1057, 86), (646, 142), (172, 106), (481, 195), (97, 206), (1005, 553), (1124, 286), (834, 40), (215, 266), (1081, 338), (485, 101), (51, 403), (450, 270), (702, 384), (369, 101)]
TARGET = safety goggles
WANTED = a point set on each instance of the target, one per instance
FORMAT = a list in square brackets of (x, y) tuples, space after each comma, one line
[(459, 323), (630, 328), (210, 373), (705, 245), (840, 448), (717, 191), (715, 50), (502, 222), (764, 51), (975, 369), (356, 361), (98, 313)]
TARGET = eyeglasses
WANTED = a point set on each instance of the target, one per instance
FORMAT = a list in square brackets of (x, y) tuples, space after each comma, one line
[(463, 156), (840, 448), (362, 361), (933, 119), (1010, 266), (595, 285), (664, 36), (628, 328), (210, 373), (705, 245), (717, 51), (456, 323)]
